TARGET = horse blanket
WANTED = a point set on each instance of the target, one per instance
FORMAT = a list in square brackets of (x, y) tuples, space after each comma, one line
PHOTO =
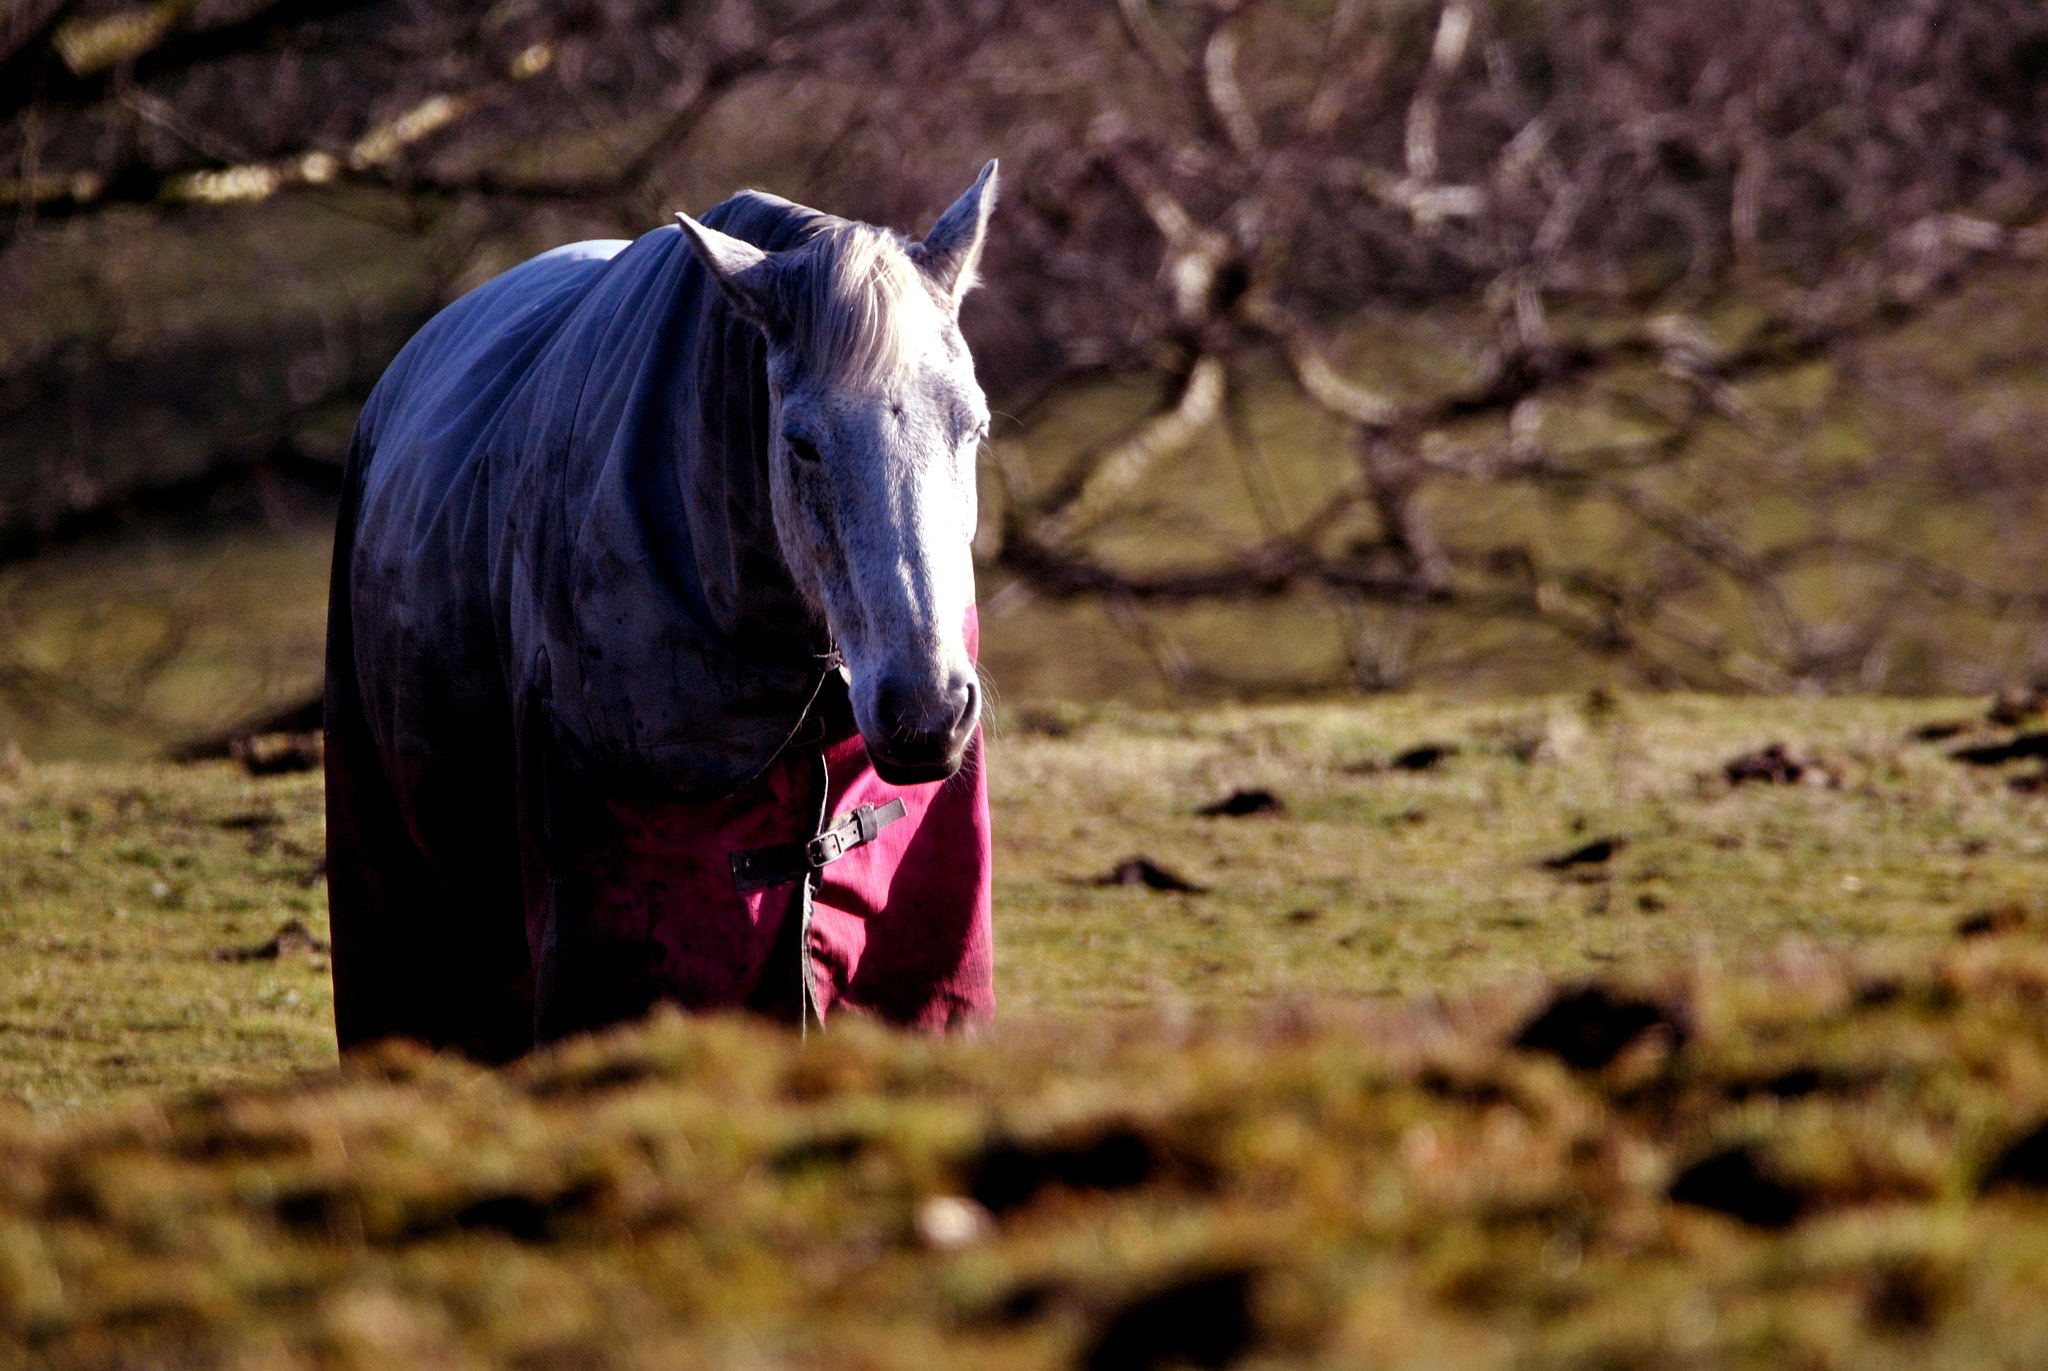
[(568, 676)]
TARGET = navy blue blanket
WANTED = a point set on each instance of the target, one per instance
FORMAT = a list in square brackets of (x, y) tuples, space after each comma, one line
[(598, 410)]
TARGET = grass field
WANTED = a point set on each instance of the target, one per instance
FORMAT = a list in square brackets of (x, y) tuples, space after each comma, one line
[(131, 894), (1347, 1104)]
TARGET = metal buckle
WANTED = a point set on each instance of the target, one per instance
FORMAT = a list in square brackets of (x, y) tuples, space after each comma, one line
[(826, 848)]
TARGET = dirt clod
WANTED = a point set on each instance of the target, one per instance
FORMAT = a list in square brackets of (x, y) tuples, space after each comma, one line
[(1424, 757), (2018, 748), (1138, 869), (1590, 854), (279, 754), (1738, 1182), (1588, 1026), (1240, 804), (292, 939), (1204, 1320), (2023, 1162), (1772, 765)]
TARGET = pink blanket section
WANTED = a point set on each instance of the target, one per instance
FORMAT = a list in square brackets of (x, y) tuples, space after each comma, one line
[(899, 928)]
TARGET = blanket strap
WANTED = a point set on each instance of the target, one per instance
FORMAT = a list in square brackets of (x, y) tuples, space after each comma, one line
[(760, 867)]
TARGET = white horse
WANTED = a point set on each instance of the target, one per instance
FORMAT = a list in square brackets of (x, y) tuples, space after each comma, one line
[(651, 556)]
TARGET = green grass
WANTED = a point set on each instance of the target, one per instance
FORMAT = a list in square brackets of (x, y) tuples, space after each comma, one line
[(121, 886), (1379, 882)]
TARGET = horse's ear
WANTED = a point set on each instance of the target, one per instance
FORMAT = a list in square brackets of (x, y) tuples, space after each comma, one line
[(949, 253), (740, 268)]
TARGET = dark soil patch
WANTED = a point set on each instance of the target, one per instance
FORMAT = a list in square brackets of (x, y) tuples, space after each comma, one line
[(1772, 765), (2017, 706), (256, 821), (1739, 1183), (2023, 1162), (1142, 870), (2016, 749), (1201, 1320), (1984, 923), (1588, 1026), (292, 940), (1424, 757), (1006, 1173), (1594, 853), (1239, 804)]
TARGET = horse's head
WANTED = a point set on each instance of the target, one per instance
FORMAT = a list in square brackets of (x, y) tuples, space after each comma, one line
[(875, 420)]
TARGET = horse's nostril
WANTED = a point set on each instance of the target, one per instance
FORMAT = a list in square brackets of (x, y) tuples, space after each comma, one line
[(968, 694)]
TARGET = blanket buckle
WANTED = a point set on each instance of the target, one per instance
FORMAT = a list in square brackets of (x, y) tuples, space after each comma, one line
[(783, 863)]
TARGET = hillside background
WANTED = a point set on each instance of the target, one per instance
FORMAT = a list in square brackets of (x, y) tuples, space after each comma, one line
[(1340, 347)]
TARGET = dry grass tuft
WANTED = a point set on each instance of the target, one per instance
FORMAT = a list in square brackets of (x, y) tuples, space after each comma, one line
[(1837, 1163)]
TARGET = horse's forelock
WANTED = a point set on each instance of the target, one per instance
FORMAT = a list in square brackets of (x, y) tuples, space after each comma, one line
[(857, 298)]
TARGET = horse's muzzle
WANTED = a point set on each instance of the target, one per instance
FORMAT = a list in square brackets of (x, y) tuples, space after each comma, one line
[(921, 737)]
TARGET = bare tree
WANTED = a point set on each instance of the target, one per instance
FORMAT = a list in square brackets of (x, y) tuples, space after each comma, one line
[(1592, 178)]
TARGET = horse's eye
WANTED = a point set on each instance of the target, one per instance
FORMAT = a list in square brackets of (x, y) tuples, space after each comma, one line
[(801, 448)]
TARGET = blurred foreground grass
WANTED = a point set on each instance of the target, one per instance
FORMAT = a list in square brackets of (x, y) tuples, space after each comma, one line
[(1345, 1105), (1830, 1162)]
